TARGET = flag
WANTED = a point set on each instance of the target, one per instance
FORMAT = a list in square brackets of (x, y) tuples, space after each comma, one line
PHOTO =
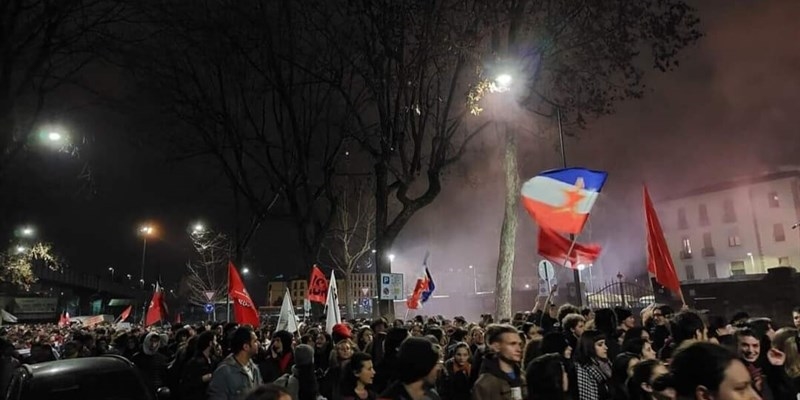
[(287, 321), (659, 261), (317, 286), (156, 311), (561, 199), (63, 320), (244, 310), (554, 247), (125, 314), (334, 315), (423, 289)]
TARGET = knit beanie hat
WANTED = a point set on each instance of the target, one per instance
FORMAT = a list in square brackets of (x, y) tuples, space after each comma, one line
[(340, 332), (416, 359), (303, 355)]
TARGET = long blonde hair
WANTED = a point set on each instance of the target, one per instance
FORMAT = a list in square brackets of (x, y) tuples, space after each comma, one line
[(786, 341)]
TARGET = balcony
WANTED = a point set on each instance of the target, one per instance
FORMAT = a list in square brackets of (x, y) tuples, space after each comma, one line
[(708, 252), (685, 255)]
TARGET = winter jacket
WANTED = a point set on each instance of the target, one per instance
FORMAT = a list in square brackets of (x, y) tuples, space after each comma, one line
[(152, 365), (494, 384), (230, 380), (397, 391), (454, 385), (191, 385)]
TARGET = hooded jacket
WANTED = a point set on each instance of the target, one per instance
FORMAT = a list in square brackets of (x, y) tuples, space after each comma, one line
[(230, 380), (151, 364), (494, 384)]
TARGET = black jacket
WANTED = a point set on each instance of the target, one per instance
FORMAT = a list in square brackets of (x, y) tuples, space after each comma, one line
[(191, 381)]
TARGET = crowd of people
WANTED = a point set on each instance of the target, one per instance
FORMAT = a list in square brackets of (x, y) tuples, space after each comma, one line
[(549, 353)]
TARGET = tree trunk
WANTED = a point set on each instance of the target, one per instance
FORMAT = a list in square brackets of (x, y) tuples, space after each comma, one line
[(508, 233), (382, 308), (348, 296)]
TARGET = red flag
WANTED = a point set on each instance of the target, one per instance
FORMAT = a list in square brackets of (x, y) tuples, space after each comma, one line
[(659, 262), (554, 247), (317, 286), (156, 311), (125, 314), (244, 310), (63, 320)]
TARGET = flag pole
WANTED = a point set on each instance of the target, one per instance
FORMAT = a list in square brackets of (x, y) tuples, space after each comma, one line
[(576, 275), (573, 239)]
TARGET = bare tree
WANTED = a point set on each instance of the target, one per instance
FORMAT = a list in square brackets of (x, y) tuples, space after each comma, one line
[(18, 263), (351, 238), (208, 273), (246, 84), (43, 46)]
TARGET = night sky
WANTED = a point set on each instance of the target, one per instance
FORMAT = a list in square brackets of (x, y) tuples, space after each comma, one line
[(729, 110)]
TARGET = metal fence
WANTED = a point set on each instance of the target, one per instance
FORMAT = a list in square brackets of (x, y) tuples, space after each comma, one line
[(621, 294)]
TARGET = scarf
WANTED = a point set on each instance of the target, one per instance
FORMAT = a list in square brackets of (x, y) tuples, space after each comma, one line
[(466, 368), (284, 361)]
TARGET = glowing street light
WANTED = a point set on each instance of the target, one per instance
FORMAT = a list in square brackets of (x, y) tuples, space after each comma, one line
[(391, 257), (54, 136), (502, 83), (145, 230), (27, 231), (198, 229), (111, 269), (245, 271), (21, 249)]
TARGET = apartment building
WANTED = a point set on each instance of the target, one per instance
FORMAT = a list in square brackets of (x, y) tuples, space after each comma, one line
[(361, 285), (738, 227)]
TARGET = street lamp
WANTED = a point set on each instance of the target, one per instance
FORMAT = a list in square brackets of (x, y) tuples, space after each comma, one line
[(245, 271), (129, 276), (752, 261), (474, 279), (502, 83), (198, 229), (112, 273), (391, 257), (27, 231)]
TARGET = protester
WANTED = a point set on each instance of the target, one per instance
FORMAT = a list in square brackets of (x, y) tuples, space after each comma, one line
[(357, 378), (547, 378), (301, 382), (500, 371), (593, 368), (152, 365), (237, 373), (418, 369), (197, 372), (455, 382)]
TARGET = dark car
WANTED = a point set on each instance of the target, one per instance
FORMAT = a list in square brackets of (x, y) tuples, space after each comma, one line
[(90, 378)]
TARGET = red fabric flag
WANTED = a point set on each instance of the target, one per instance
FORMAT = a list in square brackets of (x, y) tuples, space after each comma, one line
[(244, 310), (317, 286), (554, 247), (63, 320), (156, 311), (125, 314), (659, 261)]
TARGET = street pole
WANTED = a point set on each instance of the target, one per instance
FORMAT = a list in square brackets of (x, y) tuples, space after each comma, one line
[(141, 277), (576, 274)]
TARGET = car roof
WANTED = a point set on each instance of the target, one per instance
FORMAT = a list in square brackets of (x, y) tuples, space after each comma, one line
[(78, 366)]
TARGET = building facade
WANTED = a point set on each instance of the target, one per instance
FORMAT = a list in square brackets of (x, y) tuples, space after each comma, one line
[(739, 227), (361, 286)]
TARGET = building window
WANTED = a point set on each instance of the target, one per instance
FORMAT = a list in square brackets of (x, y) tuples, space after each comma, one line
[(704, 221), (689, 272), (728, 212), (778, 233), (783, 262), (682, 222), (686, 248), (737, 268), (774, 201), (733, 239), (707, 241), (712, 270)]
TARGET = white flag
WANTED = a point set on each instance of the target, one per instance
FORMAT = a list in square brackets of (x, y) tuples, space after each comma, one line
[(332, 303), (287, 321)]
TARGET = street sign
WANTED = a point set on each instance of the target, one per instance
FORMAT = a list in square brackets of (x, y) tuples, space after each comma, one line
[(546, 270), (544, 288), (364, 291), (391, 287), (209, 308), (210, 295)]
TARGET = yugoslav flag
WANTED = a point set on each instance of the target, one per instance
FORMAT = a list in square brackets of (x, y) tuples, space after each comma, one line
[(423, 289), (561, 199)]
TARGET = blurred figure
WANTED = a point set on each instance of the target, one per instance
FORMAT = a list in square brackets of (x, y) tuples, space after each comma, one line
[(455, 382), (708, 371), (357, 378), (547, 378), (640, 384), (418, 369)]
